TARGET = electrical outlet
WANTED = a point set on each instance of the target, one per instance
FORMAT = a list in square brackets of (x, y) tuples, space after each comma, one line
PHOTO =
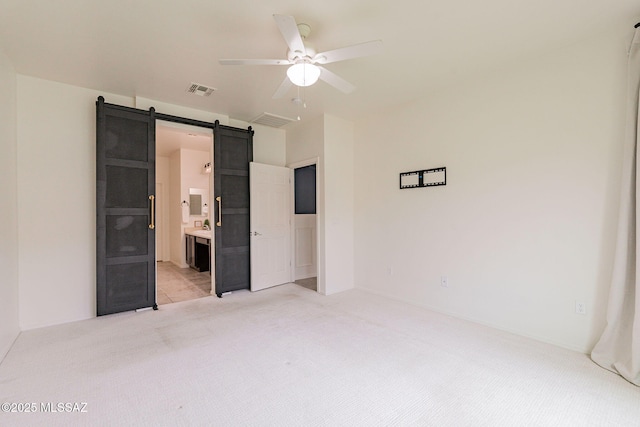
[(581, 308), (444, 281)]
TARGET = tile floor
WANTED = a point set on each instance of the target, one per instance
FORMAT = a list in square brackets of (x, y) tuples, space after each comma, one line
[(309, 283), (177, 284), (181, 284)]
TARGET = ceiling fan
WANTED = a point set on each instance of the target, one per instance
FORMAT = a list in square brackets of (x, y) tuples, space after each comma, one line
[(305, 65)]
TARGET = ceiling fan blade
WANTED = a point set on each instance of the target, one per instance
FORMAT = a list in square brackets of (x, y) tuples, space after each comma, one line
[(284, 87), (349, 52), (289, 30), (336, 81), (254, 62)]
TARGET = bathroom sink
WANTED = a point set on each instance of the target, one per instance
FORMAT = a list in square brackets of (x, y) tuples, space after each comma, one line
[(201, 233)]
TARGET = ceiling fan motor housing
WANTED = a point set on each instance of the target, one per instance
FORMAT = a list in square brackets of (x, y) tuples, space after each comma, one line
[(308, 55), (304, 63), (304, 30)]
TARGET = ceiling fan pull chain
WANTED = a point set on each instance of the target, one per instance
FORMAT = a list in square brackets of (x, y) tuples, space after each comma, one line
[(298, 99), (304, 98)]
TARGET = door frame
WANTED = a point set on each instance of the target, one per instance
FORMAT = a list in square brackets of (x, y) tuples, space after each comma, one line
[(320, 285), (205, 125), (184, 129), (161, 228), (155, 116), (213, 126)]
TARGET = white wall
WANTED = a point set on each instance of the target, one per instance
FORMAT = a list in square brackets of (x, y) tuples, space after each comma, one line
[(180, 111), (185, 171), (163, 202), (525, 226), (9, 319), (331, 140), (269, 144), (175, 211), (339, 203), (191, 176), (56, 203), (305, 141)]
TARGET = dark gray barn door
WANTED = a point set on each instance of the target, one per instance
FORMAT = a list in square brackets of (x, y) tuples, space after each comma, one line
[(233, 150), (125, 187)]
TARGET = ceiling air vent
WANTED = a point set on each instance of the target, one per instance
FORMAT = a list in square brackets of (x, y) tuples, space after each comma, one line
[(201, 90), (272, 120)]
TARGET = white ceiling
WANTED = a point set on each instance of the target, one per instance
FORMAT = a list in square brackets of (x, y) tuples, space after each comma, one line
[(156, 48), (174, 136)]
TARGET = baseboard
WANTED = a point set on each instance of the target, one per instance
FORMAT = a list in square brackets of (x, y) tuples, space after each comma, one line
[(179, 265), (4, 350), (478, 321)]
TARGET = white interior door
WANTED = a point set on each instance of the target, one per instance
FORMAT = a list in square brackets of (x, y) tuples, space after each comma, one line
[(270, 197)]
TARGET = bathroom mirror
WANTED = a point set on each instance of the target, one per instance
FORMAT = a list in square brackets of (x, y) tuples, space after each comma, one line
[(198, 202)]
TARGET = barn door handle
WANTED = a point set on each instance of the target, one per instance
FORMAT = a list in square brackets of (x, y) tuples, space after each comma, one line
[(219, 200), (152, 198)]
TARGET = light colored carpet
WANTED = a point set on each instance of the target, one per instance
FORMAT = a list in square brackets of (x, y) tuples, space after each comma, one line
[(289, 357)]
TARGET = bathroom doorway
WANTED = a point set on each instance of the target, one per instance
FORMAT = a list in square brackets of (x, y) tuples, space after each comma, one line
[(126, 167), (184, 183)]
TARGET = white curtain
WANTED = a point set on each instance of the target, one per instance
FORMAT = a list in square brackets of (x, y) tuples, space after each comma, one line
[(619, 347)]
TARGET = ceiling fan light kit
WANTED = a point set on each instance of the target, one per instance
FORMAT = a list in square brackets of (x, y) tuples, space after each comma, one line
[(302, 59), (303, 74)]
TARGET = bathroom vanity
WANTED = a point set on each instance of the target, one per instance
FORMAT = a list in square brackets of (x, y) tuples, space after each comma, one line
[(198, 249)]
